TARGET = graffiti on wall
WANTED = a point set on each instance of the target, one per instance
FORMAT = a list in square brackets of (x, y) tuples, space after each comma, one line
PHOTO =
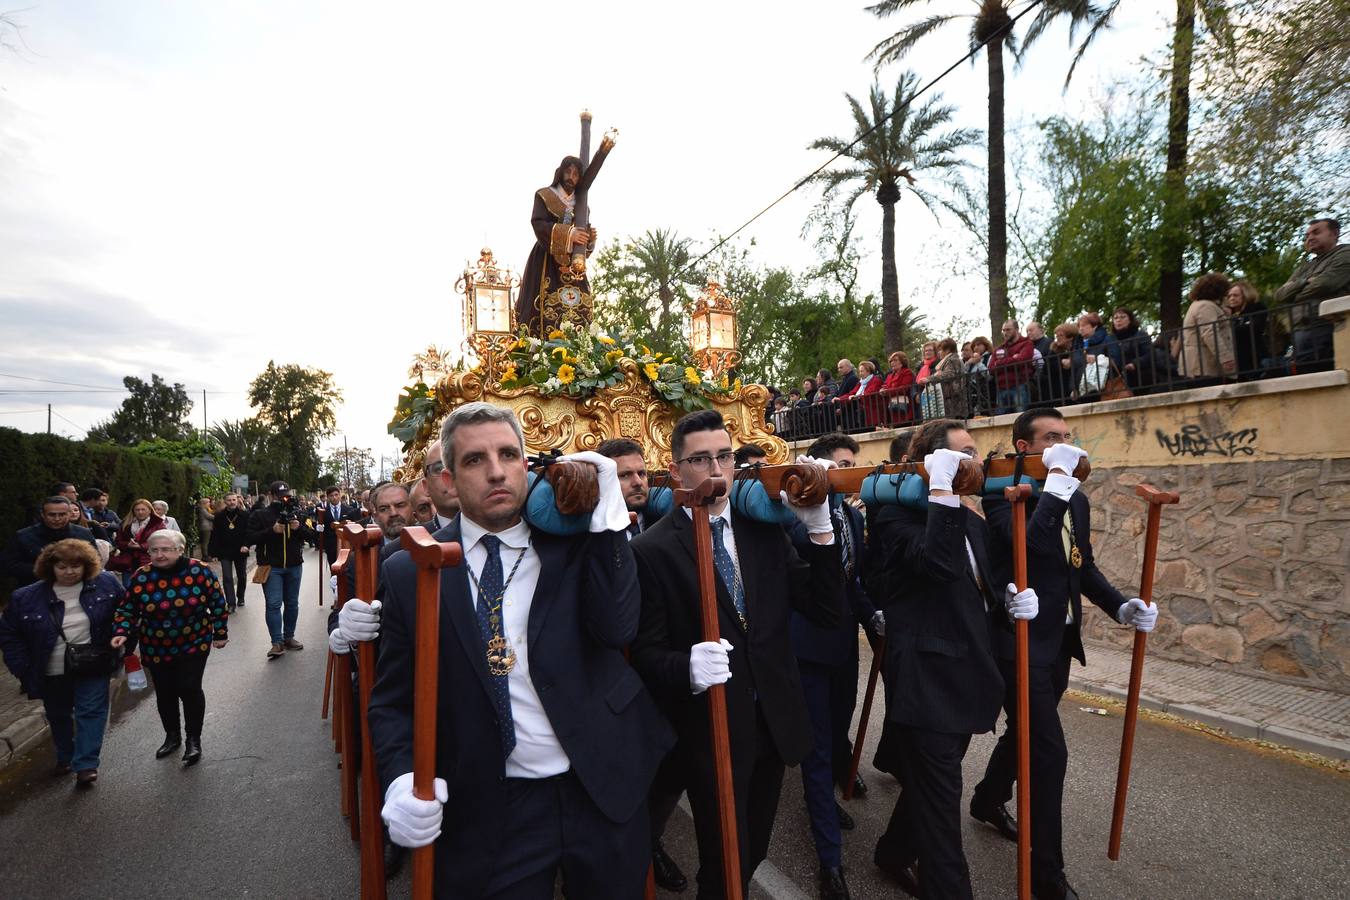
[(1194, 440)]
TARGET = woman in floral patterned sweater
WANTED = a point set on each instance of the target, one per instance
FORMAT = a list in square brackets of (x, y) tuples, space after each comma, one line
[(176, 609)]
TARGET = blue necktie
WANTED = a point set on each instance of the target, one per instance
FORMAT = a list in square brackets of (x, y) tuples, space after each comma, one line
[(490, 589), (726, 570)]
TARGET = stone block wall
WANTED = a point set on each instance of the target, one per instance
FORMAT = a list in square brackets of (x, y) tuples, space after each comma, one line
[(1253, 565)]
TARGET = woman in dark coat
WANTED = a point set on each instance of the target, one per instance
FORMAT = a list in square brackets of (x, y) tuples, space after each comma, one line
[(72, 601), (1249, 329), (1134, 349)]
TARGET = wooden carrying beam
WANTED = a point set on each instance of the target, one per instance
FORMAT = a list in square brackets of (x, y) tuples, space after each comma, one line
[(344, 735), (1017, 496), (430, 556), (698, 499), (1156, 500), (365, 543), (806, 488)]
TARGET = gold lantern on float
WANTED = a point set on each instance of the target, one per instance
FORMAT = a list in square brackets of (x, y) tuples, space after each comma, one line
[(489, 310), (713, 332)]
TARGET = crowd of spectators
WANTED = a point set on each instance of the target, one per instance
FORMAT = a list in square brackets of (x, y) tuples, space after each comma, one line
[(1228, 335)]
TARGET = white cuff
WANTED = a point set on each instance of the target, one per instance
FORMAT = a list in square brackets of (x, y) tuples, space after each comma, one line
[(946, 500), (1062, 486)]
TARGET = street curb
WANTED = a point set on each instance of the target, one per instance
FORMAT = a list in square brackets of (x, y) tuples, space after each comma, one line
[(1238, 726), (22, 735)]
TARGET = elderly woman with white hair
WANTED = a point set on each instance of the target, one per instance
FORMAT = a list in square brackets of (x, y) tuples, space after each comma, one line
[(162, 510), (176, 609)]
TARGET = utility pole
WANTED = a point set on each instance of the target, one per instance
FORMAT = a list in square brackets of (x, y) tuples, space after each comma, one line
[(49, 418), (347, 462), (203, 413)]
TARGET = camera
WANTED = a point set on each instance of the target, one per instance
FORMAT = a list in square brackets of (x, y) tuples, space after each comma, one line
[(287, 510)]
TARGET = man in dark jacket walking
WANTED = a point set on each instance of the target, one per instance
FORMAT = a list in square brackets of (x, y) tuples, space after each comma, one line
[(229, 544), (280, 531), (28, 542)]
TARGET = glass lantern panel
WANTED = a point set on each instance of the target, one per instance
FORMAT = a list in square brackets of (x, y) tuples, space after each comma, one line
[(700, 333), (493, 307), (723, 328)]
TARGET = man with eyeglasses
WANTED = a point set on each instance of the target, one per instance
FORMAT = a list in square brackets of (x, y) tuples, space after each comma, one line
[(1061, 570), (760, 578), (443, 496)]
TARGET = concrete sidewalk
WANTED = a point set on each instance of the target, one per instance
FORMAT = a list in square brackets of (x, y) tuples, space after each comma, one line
[(1303, 718)]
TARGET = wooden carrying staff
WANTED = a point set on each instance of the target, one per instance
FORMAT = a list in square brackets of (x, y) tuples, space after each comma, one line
[(1017, 496), (698, 500), (366, 545), (320, 515), (344, 735), (1155, 499), (430, 556)]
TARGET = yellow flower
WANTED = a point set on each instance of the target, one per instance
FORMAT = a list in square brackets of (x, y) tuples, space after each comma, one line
[(646, 351), (723, 383), (555, 334), (691, 375), (509, 374), (566, 373), (605, 339), (651, 372), (613, 356), (560, 352), (736, 385)]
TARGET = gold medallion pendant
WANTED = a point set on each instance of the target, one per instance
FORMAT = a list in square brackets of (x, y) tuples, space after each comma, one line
[(1076, 557), (501, 659)]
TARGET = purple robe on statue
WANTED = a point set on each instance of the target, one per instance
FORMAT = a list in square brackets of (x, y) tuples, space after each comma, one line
[(538, 308)]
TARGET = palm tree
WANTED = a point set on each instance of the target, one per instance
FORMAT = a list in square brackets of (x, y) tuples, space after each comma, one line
[(644, 282), (992, 22), (1174, 239), (895, 143)]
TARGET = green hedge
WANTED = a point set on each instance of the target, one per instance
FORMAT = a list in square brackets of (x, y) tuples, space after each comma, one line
[(31, 463)]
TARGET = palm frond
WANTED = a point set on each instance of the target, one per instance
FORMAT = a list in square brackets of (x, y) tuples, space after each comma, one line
[(898, 44)]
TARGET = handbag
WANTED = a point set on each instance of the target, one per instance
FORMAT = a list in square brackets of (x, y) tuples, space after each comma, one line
[(1116, 388), (261, 574), (87, 659)]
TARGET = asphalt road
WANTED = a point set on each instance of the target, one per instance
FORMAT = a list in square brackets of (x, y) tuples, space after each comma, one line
[(258, 817)]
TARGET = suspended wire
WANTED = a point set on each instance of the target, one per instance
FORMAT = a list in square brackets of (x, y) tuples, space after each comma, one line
[(19, 412), (97, 387), (64, 419), (1000, 32)]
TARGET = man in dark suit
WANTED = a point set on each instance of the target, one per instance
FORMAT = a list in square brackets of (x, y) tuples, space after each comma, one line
[(330, 516), (632, 469), (942, 681), (546, 740), (1061, 569), (759, 577), (827, 658)]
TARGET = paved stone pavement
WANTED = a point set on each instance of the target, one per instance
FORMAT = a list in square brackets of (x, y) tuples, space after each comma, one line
[(1208, 816), (1309, 719)]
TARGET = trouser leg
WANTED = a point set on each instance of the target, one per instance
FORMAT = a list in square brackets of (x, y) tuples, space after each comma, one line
[(191, 668), (91, 720), (665, 792), (843, 700), (291, 613), (601, 860), (932, 765), (817, 769), (273, 593), (58, 703), (526, 865), (165, 677)]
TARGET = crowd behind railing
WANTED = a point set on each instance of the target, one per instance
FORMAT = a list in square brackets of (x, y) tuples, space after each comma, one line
[(1228, 336)]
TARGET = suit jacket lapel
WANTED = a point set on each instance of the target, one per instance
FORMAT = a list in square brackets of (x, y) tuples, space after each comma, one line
[(684, 531), (552, 559), (457, 605)]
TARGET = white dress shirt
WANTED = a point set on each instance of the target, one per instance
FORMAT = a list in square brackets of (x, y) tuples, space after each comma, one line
[(537, 753), (728, 538)]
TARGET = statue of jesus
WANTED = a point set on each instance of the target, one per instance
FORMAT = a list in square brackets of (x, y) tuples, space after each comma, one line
[(554, 287)]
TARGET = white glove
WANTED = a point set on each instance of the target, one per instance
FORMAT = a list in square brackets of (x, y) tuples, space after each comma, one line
[(1063, 457), (413, 822), (709, 664), (816, 519), (318, 526), (332, 585), (611, 513), (337, 643), (1021, 605), (1135, 612), (879, 623), (941, 466), (359, 620)]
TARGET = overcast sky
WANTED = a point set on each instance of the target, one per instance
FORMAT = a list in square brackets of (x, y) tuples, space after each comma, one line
[(194, 188)]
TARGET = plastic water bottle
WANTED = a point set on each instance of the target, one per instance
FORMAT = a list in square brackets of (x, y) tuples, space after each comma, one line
[(135, 674)]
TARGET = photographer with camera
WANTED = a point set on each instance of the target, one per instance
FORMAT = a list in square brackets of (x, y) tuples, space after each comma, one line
[(280, 531)]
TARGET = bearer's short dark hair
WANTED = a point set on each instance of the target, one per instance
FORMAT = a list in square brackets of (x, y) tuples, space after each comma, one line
[(703, 420), (616, 447), (747, 453), (823, 446), (1024, 427), (932, 435)]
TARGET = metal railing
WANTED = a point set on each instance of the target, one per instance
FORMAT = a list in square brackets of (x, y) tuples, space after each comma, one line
[(1262, 344)]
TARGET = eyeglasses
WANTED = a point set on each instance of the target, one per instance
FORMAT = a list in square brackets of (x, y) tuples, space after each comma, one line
[(700, 462), (435, 468)]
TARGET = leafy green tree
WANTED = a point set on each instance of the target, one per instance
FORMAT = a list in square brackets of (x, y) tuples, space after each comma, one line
[(646, 285), (992, 21), (350, 468), (299, 406), (900, 144), (206, 455), (155, 410)]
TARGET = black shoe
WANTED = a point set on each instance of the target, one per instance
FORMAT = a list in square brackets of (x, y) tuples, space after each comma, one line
[(859, 786), (997, 816), (240, 604), (85, 778), (832, 884), (60, 770), (394, 858), (1059, 889), (907, 876), (846, 822), (192, 753), (667, 875), (229, 608), (171, 743)]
